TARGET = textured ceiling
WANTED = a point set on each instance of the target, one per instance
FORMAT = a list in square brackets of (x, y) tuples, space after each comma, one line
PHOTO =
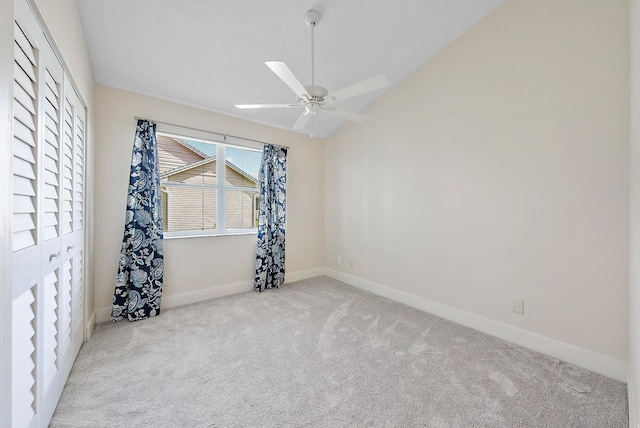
[(211, 53)]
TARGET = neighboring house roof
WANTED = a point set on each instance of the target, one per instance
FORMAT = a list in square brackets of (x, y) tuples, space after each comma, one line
[(241, 171), (183, 168), (186, 167), (186, 144), (205, 160)]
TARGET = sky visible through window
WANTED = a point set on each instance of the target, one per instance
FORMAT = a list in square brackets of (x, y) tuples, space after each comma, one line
[(245, 159)]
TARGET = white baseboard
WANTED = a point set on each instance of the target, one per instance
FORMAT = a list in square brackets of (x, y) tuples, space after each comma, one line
[(104, 314), (91, 325), (173, 300), (182, 299), (581, 357), (303, 274)]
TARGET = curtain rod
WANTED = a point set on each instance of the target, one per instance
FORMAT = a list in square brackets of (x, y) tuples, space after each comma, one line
[(209, 132)]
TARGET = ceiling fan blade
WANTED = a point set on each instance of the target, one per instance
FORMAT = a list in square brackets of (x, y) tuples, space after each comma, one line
[(345, 114), (302, 121), (267, 105), (368, 85), (286, 75)]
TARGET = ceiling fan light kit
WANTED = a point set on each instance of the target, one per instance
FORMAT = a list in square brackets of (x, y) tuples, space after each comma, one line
[(315, 98)]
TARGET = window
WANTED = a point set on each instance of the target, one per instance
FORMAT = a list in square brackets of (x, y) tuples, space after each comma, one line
[(202, 196)]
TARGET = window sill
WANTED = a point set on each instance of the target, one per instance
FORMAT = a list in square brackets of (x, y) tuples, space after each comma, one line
[(210, 235)]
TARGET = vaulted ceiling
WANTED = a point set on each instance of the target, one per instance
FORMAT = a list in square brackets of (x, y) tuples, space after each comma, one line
[(211, 53)]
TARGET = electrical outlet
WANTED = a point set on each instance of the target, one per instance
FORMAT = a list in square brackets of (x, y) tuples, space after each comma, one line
[(517, 306), (339, 260)]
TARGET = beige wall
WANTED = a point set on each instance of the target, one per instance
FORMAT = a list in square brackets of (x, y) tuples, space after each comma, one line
[(634, 290), (499, 170), (194, 264), (62, 18)]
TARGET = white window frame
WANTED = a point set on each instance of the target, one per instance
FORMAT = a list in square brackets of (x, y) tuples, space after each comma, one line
[(221, 189)]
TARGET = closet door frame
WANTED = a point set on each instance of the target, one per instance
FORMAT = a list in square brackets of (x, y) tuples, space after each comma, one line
[(6, 210)]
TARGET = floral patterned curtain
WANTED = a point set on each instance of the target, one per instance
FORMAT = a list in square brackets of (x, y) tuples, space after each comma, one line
[(271, 220), (140, 273)]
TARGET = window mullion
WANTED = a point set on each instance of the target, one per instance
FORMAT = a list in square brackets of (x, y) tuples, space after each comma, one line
[(221, 202)]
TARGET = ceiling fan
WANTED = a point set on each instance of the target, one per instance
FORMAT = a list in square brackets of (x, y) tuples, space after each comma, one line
[(315, 98)]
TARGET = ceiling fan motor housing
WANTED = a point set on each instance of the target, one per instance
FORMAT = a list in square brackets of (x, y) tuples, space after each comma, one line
[(316, 93)]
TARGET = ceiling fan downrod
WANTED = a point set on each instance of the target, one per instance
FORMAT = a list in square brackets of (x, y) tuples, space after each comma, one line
[(312, 18)]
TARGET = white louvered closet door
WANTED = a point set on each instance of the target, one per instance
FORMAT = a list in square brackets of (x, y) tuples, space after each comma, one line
[(51, 83), (48, 233), (27, 278), (72, 199), (78, 221)]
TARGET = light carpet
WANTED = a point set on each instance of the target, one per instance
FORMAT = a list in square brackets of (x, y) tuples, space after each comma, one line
[(321, 353)]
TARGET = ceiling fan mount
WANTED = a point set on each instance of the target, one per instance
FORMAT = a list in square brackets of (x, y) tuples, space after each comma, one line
[(314, 98), (312, 18)]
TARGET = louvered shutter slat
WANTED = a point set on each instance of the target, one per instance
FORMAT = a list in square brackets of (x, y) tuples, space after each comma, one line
[(22, 168), (50, 160), (51, 147), (23, 80), (50, 193), (51, 179), (24, 158), (24, 358), (78, 290), (23, 133), (68, 176), (23, 204), (52, 86), (24, 43), (50, 205), (23, 186), (22, 114), (67, 293), (49, 219), (68, 164), (79, 173), (68, 115), (23, 61), (23, 151), (50, 356), (23, 239), (51, 119), (23, 222), (24, 161), (25, 99)]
